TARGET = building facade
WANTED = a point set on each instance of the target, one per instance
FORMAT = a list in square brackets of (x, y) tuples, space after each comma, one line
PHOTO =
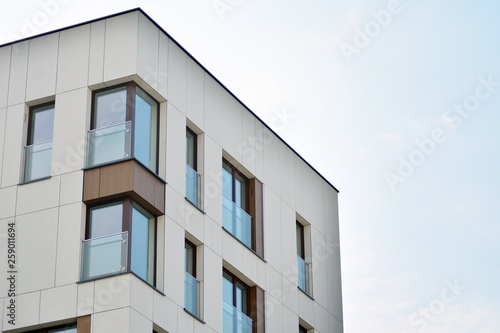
[(137, 194)]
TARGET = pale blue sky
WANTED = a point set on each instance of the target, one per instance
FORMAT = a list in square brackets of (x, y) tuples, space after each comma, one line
[(353, 119)]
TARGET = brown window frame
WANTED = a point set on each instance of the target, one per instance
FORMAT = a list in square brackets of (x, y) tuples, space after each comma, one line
[(235, 281), (131, 89), (127, 205)]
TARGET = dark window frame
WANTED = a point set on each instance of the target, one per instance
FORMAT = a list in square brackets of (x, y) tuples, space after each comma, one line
[(195, 149), (235, 280), (234, 172), (302, 329), (29, 139), (50, 329), (300, 228), (186, 241), (131, 91), (127, 206)]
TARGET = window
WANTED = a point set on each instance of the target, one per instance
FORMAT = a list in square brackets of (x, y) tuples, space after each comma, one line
[(124, 125), (193, 179), (191, 284), (302, 329), (120, 237), (236, 220), (70, 328), (303, 267), (38, 151), (235, 305)]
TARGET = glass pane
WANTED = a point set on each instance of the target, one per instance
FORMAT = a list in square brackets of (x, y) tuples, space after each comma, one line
[(193, 186), (227, 181), (65, 329), (235, 321), (110, 107), (300, 240), (241, 191), (241, 297), (236, 221), (38, 161), (104, 255), (108, 144), (190, 149), (191, 289), (145, 138), (106, 220), (142, 258), (227, 288), (189, 251), (42, 124), (304, 275)]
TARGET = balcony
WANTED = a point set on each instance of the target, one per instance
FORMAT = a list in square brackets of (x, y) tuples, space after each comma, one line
[(38, 161), (304, 275), (236, 221), (109, 144), (191, 294), (235, 321), (193, 186), (104, 256)]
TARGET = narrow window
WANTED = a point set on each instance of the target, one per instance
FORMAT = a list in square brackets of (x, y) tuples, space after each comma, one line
[(191, 283), (235, 305), (124, 125), (236, 219), (303, 267), (193, 179), (69, 328), (38, 153)]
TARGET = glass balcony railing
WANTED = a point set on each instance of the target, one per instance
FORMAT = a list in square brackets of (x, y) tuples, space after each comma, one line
[(191, 292), (304, 275), (237, 221), (38, 160), (105, 255), (108, 144), (235, 321), (193, 186)]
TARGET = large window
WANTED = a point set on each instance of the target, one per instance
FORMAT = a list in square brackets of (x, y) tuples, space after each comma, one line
[(235, 305), (191, 283), (124, 125), (236, 219), (38, 151), (303, 267), (193, 179), (120, 237)]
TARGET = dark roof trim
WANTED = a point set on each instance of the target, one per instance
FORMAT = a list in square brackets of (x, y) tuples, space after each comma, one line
[(189, 54)]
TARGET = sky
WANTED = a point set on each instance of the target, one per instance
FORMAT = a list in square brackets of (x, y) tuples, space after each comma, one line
[(395, 102)]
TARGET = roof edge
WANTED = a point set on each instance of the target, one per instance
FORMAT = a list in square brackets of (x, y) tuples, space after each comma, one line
[(193, 58)]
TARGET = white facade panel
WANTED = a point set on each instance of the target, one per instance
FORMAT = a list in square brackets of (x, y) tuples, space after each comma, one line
[(42, 67)]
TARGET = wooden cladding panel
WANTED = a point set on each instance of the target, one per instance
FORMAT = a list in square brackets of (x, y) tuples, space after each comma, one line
[(257, 310), (128, 178), (256, 211), (83, 324)]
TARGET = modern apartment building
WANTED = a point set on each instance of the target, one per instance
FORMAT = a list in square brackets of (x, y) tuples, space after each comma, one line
[(138, 194)]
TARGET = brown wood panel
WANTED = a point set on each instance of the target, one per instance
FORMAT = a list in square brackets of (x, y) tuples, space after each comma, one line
[(116, 178), (91, 184), (256, 211), (83, 324), (257, 310), (119, 180)]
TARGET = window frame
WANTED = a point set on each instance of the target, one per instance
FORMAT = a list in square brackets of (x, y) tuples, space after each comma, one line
[(131, 89), (29, 138), (187, 242), (51, 329), (302, 329), (195, 149), (128, 204), (234, 173), (235, 280)]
